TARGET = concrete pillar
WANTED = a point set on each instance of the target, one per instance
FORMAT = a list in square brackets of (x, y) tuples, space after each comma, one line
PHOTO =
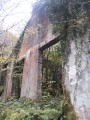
[(31, 82)]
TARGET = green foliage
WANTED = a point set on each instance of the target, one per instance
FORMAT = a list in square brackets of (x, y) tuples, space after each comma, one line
[(63, 12), (52, 70), (17, 77), (70, 19), (25, 109)]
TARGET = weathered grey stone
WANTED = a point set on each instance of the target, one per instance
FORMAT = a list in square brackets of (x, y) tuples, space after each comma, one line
[(78, 86), (38, 37)]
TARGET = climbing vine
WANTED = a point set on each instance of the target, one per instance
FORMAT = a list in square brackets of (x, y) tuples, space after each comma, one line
[(70, 18)]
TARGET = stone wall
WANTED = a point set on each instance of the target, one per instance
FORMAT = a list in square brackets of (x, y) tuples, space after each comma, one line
[(38, 33), (77, 79)]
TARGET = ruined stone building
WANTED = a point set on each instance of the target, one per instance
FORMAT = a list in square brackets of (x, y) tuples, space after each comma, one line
[(37, 37)]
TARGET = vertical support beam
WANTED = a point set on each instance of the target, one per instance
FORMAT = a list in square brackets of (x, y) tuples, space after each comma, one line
[(31, 82)]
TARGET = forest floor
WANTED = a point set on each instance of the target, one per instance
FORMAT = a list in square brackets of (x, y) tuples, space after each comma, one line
[(47, 108)]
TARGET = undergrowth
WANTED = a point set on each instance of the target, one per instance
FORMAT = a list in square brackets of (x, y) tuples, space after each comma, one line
[(26, 109)]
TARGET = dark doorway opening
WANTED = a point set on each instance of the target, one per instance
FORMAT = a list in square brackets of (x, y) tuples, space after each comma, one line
[(17, 78), (3, 73), (52, 71)]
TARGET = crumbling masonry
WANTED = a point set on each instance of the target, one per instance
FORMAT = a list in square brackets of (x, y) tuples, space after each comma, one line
[(37, 37)]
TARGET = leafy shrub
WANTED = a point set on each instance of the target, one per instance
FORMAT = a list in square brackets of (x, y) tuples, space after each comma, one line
[(43, 109), (25, 109)]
